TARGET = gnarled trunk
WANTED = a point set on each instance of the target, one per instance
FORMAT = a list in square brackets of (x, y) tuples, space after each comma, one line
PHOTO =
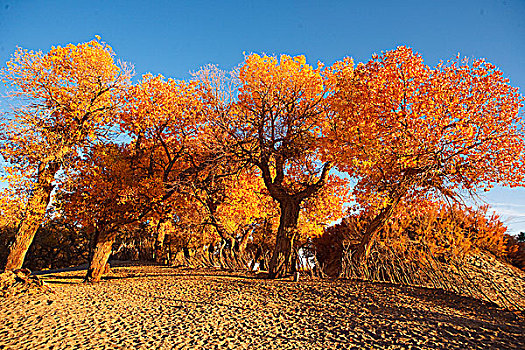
[(97, 265), (363, 249), (34, 215), (281, 261), (290, 204)]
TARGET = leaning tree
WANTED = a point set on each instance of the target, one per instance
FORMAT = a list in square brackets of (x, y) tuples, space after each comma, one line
[(62, 102), (405, 130)]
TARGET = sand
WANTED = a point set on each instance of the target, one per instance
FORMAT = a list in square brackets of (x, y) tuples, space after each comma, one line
[(148, 307)]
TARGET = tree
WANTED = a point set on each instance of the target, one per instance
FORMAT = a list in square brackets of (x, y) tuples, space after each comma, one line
[(106, 195), (142, 179), (406, 130), (273, 123), (64, 99)]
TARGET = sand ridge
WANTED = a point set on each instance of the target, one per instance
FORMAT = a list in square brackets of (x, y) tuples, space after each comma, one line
[(151, 307)]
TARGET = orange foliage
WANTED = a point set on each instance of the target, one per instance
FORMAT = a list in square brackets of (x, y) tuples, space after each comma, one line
[(436, 228), (231, 157), (11, 207), (403, 127), (107, 191), (63, 100)]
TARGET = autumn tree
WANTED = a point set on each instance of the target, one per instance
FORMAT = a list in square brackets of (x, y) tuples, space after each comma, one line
[(406, 130), (105, 196), (62, 102), (113, 195), (164, 120), (273, 124)]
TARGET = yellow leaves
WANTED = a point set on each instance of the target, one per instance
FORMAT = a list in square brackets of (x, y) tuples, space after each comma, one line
[(163, 107), (439, 229), (396, 125), (66, 96), (245, 202), (272, 81), (12, 206)]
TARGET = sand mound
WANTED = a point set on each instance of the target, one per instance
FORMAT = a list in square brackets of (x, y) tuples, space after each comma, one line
[(20, 281)]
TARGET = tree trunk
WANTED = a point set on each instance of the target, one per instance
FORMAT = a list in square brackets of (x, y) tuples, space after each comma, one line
[(168, 253), (159, 244), (363, 249), (295, 261), (97, 265), (258, 253), (281, 261), (231, 257), (220, 254), (211, 251), (241, 246), (34, 215), (93, 239), (186, 251)]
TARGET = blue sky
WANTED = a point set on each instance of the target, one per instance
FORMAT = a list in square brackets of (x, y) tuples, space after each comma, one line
[(176, 37)]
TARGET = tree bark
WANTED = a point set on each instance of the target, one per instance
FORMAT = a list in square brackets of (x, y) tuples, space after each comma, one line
[(34, 215), (281, 261), (263, 266), (290, 204), (231, 257), (97, 265), (363, 249), (211, 253), (168, 253), (222, 261), (159, 244), (93, 239), (186, 251)]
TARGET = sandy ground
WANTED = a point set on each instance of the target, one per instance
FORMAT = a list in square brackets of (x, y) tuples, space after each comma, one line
[(166, 308)]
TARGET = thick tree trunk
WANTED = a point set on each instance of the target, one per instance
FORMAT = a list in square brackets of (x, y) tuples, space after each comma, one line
[(363, 249), (34, 215), (93, 241), (281, 261), (97, 265)]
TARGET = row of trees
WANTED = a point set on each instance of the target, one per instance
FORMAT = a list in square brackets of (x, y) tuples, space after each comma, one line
[(230, 156)]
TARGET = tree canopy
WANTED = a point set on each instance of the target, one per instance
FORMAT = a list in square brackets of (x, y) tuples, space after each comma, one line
[(245, 157)]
